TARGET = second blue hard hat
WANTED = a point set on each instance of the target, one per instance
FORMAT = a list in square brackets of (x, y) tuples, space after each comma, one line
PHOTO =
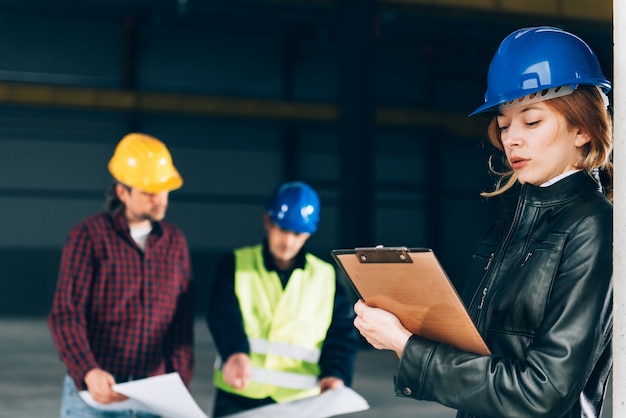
[(536, 59), (295, 206)]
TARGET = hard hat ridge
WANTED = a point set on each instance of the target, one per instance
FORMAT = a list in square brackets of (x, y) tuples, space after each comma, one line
[(144, 162), (536, 59), (294, 206)]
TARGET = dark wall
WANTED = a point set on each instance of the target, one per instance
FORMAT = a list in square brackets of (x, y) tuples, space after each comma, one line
[(365, 100)]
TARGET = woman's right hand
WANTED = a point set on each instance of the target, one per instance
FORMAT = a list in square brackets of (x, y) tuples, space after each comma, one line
[(380, 328)]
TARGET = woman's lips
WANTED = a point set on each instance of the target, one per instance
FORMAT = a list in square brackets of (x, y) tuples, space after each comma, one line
[(517, 163)]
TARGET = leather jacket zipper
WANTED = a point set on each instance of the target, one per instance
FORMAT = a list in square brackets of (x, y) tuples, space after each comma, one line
[(489, 261), (526, 258), (485, 289), (482, 299), (488, 282)]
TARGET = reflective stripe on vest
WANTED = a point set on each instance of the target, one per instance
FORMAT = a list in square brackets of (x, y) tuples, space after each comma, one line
[(260, 346), (276, 378), (284, 379), (285, 327)]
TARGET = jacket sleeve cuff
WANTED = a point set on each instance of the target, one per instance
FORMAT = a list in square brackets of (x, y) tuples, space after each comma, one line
[(78, 373), (413, 367)]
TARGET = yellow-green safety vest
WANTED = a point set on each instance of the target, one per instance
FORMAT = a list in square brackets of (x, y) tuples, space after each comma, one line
[(285, 327)]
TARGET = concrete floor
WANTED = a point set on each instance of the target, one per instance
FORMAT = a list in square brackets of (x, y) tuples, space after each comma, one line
[(31, 376)]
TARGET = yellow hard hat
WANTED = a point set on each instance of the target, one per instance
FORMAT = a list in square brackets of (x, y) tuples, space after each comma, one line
[(144, 162)]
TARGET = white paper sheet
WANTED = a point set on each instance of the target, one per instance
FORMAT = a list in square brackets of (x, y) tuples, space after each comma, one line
[(168, 397), (164, 395), (328, 404), (115, 406)]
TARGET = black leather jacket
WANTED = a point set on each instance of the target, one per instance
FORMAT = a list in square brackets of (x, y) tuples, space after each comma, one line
[(540, 292)]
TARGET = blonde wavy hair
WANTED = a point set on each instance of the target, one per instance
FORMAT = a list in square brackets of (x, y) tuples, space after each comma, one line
[(585, 108)]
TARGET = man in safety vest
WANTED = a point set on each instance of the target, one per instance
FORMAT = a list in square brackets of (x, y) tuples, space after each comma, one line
[(280, 320)]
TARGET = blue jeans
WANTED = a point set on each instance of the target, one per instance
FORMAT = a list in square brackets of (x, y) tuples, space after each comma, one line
[(73, 406)]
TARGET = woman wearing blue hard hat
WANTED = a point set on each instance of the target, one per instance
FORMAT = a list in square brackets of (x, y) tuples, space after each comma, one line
[(280, 320), (539, 285)]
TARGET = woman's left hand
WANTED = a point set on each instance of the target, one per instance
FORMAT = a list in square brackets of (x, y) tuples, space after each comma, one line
[(380, 328)]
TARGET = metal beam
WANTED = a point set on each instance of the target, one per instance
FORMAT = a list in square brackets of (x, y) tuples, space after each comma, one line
[(601, 10), (129, 101)]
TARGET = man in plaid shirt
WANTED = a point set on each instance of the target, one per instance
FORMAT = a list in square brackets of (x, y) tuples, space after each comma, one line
[(123, 305)]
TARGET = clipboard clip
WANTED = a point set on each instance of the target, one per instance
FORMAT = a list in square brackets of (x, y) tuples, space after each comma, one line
[(380, 254)]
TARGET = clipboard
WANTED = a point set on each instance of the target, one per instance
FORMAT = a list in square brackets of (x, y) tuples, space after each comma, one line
[(412, 284)]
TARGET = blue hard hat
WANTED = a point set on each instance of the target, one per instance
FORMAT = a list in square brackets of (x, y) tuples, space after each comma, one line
[(536, 59), (295, 206)]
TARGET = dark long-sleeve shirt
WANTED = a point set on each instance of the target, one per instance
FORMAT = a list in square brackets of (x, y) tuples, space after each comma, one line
[(226, 322), (121, 309)]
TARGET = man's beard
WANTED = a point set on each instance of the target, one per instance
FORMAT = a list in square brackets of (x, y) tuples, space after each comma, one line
[(155, 215)]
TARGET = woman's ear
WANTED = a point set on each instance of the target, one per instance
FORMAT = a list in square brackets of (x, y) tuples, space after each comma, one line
[(582, 138)]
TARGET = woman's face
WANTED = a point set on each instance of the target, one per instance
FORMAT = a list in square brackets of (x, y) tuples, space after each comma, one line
[(538, 142)]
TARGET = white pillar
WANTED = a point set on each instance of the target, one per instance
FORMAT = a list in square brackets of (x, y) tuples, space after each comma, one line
[(619, 242)]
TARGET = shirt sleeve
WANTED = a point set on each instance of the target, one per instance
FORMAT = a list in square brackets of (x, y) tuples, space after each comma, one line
[(342, 339), (67, 318), (223, 316)]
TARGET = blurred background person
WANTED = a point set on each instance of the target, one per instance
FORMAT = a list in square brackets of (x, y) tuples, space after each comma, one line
[(123, 305), (280, 318)]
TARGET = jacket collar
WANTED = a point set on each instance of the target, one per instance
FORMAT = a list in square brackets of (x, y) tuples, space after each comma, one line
[(562, 191)]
